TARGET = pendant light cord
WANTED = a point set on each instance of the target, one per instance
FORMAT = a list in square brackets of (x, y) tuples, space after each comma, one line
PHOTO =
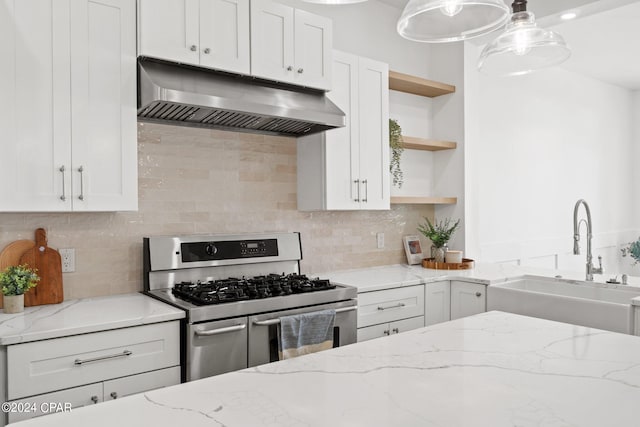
[(519, 6)]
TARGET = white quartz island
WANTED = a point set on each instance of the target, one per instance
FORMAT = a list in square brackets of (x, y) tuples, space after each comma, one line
[(494, 369)]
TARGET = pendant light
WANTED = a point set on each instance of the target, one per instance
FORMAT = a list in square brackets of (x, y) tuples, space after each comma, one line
[(437, 21), (523, 47)]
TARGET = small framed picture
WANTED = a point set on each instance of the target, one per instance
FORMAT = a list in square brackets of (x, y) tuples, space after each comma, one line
[(413, 249)]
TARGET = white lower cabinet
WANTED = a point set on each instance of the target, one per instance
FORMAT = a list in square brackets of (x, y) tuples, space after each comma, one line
[(86, 369), (467, 299), (390, 311), (437, 302), (91, 394), (636, 321), (386, 329)]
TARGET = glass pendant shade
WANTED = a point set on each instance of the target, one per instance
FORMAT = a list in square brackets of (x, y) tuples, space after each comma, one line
[(523, 48), (334, 1), (438, 21)]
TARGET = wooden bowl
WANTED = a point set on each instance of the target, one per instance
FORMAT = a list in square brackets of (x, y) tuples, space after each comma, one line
[(466, 264)]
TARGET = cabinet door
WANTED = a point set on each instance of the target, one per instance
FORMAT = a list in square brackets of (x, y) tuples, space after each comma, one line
[(103, 87), (224, 35), (313, 40), (272, 46), (467, 299), (121, 387), (34, 106), (74, 397), (437, 302), (406, 325), (342, 148), (375, 331), (168, 29), (374, 134)]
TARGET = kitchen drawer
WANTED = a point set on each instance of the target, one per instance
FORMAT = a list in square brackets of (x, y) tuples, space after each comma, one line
[(120, 387), (389, 305), (386, 329), (38, 405), (48, 365)]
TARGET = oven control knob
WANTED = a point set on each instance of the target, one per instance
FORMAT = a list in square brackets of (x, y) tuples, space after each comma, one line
[(211, 249)]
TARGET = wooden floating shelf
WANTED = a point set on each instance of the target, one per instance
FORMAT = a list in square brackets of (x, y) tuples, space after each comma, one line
[(404, 200), (417, 85), (414, 143)]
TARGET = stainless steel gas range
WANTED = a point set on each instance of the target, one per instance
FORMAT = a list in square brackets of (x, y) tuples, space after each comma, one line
[(234, 289)]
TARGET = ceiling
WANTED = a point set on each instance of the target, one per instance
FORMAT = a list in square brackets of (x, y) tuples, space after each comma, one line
[(602, 38)]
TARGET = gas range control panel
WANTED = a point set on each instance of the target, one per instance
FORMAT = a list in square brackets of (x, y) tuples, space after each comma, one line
[(228, 250)]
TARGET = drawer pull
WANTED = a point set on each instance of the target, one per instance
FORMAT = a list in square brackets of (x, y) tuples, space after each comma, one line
[(221, 330), (396, 330), (98, 359), (94, 399), (114, 395), (478, 294), (393, 306), (386, 332)]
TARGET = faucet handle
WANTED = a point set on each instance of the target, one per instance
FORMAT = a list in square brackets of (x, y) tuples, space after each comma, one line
[(624, 279), (599, 270)]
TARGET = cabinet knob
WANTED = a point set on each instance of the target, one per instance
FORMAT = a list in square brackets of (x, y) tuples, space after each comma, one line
[(289, 68), (193, 48), (478, 294), (114, 395), (207, 51), (300, 70), (94, 399)]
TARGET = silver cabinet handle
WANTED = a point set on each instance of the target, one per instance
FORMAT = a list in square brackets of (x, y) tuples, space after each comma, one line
[(98, 359), (275, 321), (221, 330), (94, 399), (400, 305), (193, 48), (81, 170), (64, 195), (366, 190), (478, 294), (207, 51), (396, 330), (289, 68), (300, 70), (114, 395), (357, 183)]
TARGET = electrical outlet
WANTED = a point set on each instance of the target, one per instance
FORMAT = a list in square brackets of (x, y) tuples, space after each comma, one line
[(380, 240), (68, 260)]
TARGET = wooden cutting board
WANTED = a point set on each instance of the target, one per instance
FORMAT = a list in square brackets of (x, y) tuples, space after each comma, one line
[(10, 255), (49, 265)]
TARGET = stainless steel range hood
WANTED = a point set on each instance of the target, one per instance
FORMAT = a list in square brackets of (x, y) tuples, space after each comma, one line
[(187, 96)]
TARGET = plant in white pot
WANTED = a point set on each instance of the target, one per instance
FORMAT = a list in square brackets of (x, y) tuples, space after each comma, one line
[(15, 281)]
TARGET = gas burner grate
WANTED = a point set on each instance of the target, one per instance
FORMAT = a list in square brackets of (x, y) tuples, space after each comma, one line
[(241, 289)]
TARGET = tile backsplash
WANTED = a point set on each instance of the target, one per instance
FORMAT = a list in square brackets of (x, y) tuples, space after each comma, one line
[(206, 181)]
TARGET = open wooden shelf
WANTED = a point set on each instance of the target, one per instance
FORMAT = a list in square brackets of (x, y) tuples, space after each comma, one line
[(414, 143), (405, 200), (417, 85)]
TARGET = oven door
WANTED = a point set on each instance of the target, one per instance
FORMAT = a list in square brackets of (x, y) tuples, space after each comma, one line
[(263, 332), (216, 347)]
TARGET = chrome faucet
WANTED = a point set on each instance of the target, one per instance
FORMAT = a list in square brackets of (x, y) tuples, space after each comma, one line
[(591, 270)]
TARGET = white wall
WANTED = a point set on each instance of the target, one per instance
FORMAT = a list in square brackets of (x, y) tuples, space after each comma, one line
[(536, 144), (636, 159)]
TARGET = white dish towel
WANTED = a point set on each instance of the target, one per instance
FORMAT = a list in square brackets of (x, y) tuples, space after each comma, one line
[(305, 333)]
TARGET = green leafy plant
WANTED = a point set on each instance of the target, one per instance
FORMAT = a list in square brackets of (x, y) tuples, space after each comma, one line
[(16, 280), (633, 250), (395, 142), (440, 232)]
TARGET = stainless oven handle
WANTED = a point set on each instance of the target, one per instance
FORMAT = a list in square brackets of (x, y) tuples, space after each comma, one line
[(221, 330), (277, 320)]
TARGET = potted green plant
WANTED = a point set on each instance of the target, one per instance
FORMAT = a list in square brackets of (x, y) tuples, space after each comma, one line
[(15, 281), (633, 250), (439, 234), (395, 142)]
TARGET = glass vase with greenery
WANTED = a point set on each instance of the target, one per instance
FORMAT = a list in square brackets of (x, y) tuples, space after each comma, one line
[(439, 233)]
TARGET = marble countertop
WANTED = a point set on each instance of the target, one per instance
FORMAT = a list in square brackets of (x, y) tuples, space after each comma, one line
[(493, 369), (82, 316), (400, 275)]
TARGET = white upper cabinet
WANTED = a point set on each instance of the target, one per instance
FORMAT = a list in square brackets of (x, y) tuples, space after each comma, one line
[(209, 33), (290, 45), (68, 110), (348, 168)]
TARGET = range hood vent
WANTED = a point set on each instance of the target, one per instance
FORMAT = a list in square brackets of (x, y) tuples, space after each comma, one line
[(181, 95)]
